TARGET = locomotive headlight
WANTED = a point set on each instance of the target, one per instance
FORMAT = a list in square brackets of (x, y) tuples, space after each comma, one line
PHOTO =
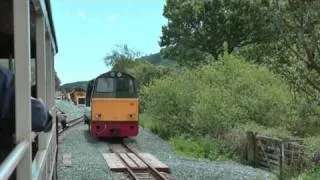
[(98, 115), (112, 74), (119, 74), (131, 116)]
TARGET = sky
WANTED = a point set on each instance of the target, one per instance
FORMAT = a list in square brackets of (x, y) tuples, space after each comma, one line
[(87, 30)]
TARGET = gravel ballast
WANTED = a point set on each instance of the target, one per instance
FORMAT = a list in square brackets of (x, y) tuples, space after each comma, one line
[(70, 109), (187, 168), (87, 161)]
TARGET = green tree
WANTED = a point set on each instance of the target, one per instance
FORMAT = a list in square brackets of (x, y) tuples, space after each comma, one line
[(197, 29), (122, 58), (145, 72), (57, 81), (295, 52), (284, 35), (299, 32)]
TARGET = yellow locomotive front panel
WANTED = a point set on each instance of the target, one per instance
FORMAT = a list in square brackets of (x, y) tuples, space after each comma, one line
[(115, 109)]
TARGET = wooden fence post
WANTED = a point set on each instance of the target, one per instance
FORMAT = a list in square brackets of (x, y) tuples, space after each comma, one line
[(251, 148), (281, 160)]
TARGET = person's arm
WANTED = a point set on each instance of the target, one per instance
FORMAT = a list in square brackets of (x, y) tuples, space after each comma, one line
[(41, 116)]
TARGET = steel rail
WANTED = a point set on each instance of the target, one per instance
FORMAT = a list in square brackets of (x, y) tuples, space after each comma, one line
[(150, 169), (153, 170), (70, 124), (131, 173)]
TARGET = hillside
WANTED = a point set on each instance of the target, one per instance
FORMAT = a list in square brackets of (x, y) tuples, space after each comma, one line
[(156, 59), (70, 86)]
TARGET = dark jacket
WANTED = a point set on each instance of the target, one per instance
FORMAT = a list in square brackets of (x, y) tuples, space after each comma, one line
[(7, 113), (40, 115)]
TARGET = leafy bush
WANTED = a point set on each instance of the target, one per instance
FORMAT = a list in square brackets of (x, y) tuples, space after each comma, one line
[(201, 148), (306, 122), (310, 174), (206, 112), (215, 98), (145, 72), (168, 102)]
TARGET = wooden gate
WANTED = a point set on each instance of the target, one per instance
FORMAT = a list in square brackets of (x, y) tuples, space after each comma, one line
[(280, 155)]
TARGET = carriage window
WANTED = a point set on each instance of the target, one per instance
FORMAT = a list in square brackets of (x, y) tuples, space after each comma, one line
[(105, 85)]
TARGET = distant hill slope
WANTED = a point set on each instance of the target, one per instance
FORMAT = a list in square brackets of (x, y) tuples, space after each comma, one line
[(79, 84), (155, 59)]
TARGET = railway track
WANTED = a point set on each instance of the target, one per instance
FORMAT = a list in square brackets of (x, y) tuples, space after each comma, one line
[(148, 173), (118, 147), (70, 124)]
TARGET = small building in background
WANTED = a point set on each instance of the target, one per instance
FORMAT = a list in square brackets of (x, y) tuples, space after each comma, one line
[(58, 95), (78, 96)]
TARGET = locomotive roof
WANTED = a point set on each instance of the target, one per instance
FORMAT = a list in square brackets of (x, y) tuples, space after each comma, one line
[(108, 74)]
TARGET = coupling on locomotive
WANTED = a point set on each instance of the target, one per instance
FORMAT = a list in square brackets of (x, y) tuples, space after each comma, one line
[(114, 104)]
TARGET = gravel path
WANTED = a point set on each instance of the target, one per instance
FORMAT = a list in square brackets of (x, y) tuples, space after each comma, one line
[(71, 110), (88, 163)]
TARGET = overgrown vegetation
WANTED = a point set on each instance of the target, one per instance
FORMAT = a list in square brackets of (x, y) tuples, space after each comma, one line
[(265, 80), (283, 36), (214, 99), (204, 112)]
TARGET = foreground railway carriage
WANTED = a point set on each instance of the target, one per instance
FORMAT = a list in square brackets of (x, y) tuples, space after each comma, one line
[(114, 105), (27, 37)]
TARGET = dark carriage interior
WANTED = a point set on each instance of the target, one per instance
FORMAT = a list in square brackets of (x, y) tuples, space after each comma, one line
[(6, 30)]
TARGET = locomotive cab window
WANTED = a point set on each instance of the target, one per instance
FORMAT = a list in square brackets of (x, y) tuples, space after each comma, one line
[(124, 85), (111, 86), (105, 85)]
